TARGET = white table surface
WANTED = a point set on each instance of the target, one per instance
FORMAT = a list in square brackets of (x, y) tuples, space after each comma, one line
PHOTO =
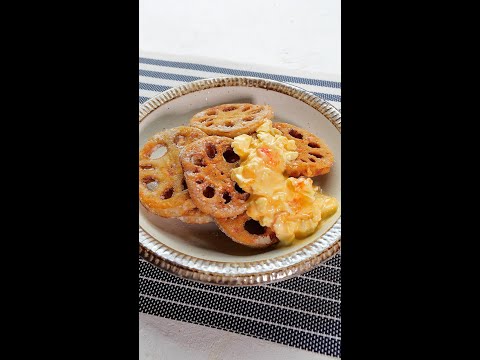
[(289, 34)]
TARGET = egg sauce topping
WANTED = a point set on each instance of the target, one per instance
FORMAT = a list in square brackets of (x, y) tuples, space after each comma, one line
[(292, 207)]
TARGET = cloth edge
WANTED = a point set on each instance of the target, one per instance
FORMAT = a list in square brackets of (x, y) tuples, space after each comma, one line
[(204, 60)]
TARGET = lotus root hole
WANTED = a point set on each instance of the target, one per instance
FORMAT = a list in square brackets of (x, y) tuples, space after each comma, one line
[(209, 192), (230, 156), (313, 145), (317, 155), (167, 194), (199, 181), (180, 140), (158, 152), (229, 108), (211, 112), (198, 161), (239, 189), (151, 183), (256, 111), (254, 227), (295, 134), (229, 123), (152, 186), (248, 118), (211, 150), (246, 108), (146, 167), (210, 123), (184, 184), (226, 196), (311, 159)]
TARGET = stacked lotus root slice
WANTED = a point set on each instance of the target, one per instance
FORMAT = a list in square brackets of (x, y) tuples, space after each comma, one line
[(191, 182)]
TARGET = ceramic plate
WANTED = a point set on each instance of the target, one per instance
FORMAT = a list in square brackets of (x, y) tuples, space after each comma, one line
[(203, 252)]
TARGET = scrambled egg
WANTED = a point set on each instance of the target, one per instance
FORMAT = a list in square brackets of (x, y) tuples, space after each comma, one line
[(292, 207)]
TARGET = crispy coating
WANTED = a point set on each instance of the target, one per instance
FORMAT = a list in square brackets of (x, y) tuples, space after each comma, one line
[(231, 120), (314, 156), (207, 164), (195, 216), (162, 189), (246, 231)]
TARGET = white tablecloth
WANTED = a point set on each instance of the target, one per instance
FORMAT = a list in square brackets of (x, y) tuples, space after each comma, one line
[(300, 35)]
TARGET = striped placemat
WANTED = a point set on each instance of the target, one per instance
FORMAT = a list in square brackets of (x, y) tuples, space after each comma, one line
[(304, 311)]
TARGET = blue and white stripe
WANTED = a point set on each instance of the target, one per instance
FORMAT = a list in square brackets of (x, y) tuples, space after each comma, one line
[(303, 312), (157, 75)]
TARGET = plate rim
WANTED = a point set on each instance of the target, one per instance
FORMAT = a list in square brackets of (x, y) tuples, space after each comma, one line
[(241, 273)]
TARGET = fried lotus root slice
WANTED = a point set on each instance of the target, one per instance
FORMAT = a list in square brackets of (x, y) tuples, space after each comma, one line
[(246, 231), (207, 164), (314, 156), (231, 120), (162, 188), (195, 216)]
